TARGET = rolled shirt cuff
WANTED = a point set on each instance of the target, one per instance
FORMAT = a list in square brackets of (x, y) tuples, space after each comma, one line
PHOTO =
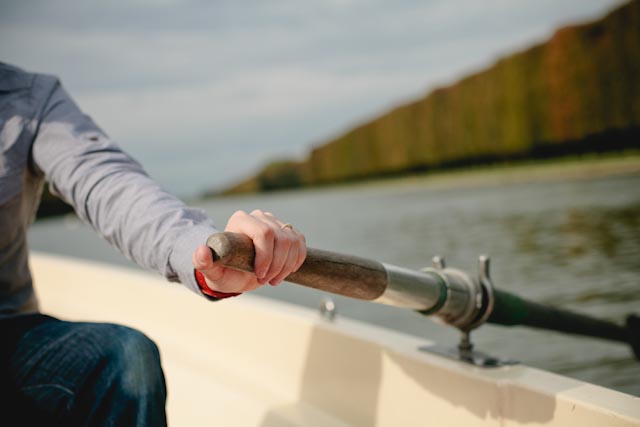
[(181, 257)]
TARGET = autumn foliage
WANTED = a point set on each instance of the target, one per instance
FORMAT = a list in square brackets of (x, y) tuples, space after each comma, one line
[(578, 92)]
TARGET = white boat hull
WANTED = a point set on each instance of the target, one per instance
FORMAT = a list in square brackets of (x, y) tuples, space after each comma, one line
[(251, 361)]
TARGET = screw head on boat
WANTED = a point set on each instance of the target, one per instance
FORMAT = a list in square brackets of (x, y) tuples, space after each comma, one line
[(438, 262), (327, 309)]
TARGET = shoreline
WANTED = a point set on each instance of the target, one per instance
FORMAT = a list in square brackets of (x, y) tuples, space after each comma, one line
[(509, 173), (573, 168)]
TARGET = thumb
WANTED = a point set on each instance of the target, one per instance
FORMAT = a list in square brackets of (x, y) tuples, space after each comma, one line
[(203, 262)]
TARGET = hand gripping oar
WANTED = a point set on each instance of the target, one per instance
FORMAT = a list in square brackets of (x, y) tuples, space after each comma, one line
[(450, 295)]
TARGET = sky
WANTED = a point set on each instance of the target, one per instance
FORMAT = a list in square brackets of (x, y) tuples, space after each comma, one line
[(204, 93)]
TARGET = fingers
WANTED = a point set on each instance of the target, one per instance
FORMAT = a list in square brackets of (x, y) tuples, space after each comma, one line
[(286, 267), (279, 251), (284, 251), (263, 234), (302, 252), (298, 251)]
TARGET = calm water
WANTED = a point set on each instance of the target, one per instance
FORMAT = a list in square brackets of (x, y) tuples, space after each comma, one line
[(575, 244)]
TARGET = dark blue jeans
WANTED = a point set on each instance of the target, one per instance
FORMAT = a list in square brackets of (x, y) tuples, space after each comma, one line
[(54, 372)]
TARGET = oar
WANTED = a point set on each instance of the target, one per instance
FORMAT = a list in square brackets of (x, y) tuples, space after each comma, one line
[(449, 294)]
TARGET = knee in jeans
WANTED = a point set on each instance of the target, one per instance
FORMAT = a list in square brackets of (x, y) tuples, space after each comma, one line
[(135, 362)]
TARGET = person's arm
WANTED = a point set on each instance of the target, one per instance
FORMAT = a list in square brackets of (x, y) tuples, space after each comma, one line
[(111, 192)]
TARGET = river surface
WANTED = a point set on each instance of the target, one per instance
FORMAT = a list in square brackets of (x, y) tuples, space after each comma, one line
[(570, 243)]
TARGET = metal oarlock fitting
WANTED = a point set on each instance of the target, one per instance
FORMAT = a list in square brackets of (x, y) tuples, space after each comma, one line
[(468, 304)]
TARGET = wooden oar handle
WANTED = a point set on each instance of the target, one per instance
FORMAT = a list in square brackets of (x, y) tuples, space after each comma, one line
[(328, 271)]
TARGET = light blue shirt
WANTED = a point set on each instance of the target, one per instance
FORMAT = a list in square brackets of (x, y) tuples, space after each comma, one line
[(45, 136)]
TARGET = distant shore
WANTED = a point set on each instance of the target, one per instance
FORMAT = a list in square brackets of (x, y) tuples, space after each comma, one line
[(569, 168), (526, 171)]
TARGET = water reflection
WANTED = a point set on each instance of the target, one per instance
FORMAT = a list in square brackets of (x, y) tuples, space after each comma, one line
[(581, 232), (590, 242)]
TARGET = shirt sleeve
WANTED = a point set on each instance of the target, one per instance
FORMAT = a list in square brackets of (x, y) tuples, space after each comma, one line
[(111, 192)]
